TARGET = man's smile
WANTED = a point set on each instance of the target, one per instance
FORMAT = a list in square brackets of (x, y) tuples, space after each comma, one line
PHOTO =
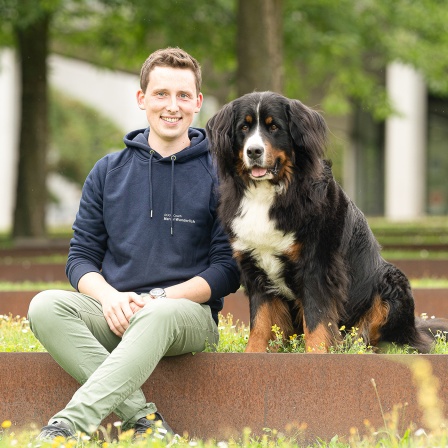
[(171, 119)]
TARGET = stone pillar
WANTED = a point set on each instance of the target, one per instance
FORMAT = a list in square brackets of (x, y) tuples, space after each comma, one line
[(405, 152), (9, 130)]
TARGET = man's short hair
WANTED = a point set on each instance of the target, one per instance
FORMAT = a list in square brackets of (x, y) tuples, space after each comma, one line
[(170, 57)]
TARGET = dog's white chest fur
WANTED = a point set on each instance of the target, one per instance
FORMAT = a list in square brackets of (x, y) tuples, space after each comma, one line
[(255, 232)]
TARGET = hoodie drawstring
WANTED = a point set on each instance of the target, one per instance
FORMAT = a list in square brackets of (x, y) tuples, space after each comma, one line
[(150, 180), (173, 158)]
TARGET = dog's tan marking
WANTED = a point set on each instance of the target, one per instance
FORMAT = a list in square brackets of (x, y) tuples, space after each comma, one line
[(370, 325), (270, 153), (241, 167), (286, 172), (248, 118), (286, 165), (293, 252), (269, 120), (268, 314), (318, 340), (237, 255)]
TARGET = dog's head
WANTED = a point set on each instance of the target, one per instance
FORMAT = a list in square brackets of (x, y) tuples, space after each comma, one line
[(267, 137)]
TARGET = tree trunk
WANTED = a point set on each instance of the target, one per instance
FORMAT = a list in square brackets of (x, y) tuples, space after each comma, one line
[(31, 192), (259, 46)]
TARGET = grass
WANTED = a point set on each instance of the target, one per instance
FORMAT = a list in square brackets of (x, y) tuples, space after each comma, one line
[(33, 286), (426, 225), (16, 336), (391, 435), (391, 255), (428, 282), (41, 259)]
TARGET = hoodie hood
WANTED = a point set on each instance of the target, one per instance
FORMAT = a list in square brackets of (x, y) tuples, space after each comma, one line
[(138, 140)]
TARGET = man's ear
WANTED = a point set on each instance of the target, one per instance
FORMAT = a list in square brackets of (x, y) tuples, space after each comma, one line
[(199, 101), (141, 99)]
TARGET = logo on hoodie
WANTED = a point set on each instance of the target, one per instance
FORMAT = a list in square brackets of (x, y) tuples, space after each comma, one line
[(178, 218)]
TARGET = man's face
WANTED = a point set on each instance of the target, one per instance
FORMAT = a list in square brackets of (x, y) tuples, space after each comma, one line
[(170, 102)]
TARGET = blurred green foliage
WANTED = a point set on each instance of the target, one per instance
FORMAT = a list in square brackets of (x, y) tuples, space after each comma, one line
[(80, 136), (334, 54), (338, 49)]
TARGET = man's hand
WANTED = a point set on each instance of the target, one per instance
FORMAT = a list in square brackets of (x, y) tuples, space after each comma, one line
[(118, 308)]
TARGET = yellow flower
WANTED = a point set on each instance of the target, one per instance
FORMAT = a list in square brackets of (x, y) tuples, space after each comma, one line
[(291, 338), (127, 435), (6, 424), (342, 328), (151, 416), (58, 440)]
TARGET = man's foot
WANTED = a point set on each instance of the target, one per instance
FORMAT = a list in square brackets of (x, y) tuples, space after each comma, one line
[(55, 429), (153, 425)]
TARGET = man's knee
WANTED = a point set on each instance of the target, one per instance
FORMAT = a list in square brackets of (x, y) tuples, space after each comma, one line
[(42, 307)]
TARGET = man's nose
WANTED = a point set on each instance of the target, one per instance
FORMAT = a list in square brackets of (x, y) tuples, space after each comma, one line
[(173, 107)]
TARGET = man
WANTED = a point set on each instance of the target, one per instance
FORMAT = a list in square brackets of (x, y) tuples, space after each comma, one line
[(148, 258)]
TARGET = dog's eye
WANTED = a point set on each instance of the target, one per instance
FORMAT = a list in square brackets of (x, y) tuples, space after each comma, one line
[(245, 128), (273, 128)]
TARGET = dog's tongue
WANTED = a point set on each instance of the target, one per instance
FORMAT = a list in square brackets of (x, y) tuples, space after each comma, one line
[(257, 171)]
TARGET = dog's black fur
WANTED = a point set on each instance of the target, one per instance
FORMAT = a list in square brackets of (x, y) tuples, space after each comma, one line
[(309, 261)]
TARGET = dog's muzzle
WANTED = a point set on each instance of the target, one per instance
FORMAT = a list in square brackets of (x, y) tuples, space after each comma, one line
[(254, 152)]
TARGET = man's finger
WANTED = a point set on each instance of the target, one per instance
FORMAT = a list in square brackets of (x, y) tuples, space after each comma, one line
[(113, 327), (119, 320), (137, 298)]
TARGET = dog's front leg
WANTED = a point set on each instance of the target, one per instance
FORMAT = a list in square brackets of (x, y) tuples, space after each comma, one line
[(263, 317), (317, 339), (260, 329)]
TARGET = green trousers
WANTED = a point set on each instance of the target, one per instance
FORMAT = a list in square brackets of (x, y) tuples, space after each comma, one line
[(110, 369)]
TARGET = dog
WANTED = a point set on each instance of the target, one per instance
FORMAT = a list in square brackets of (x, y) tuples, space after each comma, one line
[(309, 262)]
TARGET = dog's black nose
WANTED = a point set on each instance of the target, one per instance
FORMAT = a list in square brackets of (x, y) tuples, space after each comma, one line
[(254, 152)]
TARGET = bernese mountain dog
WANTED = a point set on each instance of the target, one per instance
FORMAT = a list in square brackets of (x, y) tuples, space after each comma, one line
[(309, 262)]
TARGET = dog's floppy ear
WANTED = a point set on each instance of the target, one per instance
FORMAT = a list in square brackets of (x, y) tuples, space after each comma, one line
[(309, 133), (220, 134)]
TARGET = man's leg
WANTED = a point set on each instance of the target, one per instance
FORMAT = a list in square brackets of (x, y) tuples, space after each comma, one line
[(72, 327), (164, 327)]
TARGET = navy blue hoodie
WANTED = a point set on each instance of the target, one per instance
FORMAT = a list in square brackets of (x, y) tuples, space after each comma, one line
[(146, 221)]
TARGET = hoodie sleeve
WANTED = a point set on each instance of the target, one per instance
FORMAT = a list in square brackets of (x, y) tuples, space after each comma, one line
[(88, 245), (223, 274)]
